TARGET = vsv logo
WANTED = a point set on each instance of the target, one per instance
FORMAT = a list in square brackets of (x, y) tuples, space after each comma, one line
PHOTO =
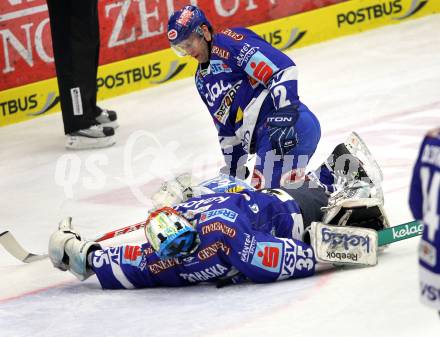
[(429, 292), (289, 259), (267, 256)]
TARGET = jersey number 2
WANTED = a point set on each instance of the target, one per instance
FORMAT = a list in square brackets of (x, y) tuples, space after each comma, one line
[(281, 91)]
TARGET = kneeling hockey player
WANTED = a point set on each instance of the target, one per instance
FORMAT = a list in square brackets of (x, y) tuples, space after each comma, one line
[(222, 237)]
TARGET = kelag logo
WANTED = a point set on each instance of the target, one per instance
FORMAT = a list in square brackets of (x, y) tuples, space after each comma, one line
[(388, 8)]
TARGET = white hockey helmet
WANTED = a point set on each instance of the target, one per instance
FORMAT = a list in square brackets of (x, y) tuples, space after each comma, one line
[(170, 234)]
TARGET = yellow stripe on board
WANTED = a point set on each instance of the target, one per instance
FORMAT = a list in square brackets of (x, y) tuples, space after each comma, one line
[(118, 78)]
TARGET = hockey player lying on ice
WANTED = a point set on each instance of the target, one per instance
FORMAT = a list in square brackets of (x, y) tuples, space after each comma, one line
[(222, 237)]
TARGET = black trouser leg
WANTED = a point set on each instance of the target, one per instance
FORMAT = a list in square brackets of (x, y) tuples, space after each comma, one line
[(75, 40), (310, 199)]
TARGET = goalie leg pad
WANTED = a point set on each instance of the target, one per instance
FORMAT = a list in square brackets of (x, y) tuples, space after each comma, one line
[(344, 245), (68, 251)]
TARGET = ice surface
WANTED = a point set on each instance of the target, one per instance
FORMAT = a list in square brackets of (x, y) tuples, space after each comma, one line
[(384, 84)]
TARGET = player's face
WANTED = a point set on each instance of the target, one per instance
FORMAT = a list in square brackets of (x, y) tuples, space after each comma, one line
[(200, 50), (196, 46)]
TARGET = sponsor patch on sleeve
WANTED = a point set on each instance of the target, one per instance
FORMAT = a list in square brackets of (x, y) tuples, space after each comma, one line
[(268, 256), (260, 67)]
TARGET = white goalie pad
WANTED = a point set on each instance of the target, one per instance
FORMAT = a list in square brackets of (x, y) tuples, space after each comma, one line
[(344, 245)]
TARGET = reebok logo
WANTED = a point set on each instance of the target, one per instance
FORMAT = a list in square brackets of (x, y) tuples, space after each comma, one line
[(342, 256)]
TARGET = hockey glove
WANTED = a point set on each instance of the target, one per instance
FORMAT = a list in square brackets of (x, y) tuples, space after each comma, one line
[(282, 133)]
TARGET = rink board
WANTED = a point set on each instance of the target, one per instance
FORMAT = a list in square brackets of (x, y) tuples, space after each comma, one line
[(149, 70)]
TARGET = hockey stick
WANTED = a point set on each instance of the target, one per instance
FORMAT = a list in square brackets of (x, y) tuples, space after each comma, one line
[(120, 231), (13, 247), (400, 232), (386, 236)]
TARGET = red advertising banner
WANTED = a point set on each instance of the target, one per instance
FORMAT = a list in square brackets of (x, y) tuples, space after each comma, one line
[(128, 28)]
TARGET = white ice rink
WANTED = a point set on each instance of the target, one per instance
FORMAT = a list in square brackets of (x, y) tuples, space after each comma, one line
[(384, 84)]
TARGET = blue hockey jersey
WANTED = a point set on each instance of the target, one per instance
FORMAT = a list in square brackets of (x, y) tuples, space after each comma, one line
[(250, 234), (245, 80), (425, 206)]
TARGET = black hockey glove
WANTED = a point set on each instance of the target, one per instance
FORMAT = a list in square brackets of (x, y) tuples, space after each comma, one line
[(282, 133)]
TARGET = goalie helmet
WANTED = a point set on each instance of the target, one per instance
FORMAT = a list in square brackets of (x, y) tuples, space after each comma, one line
[(183, 23), (170, 234)]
